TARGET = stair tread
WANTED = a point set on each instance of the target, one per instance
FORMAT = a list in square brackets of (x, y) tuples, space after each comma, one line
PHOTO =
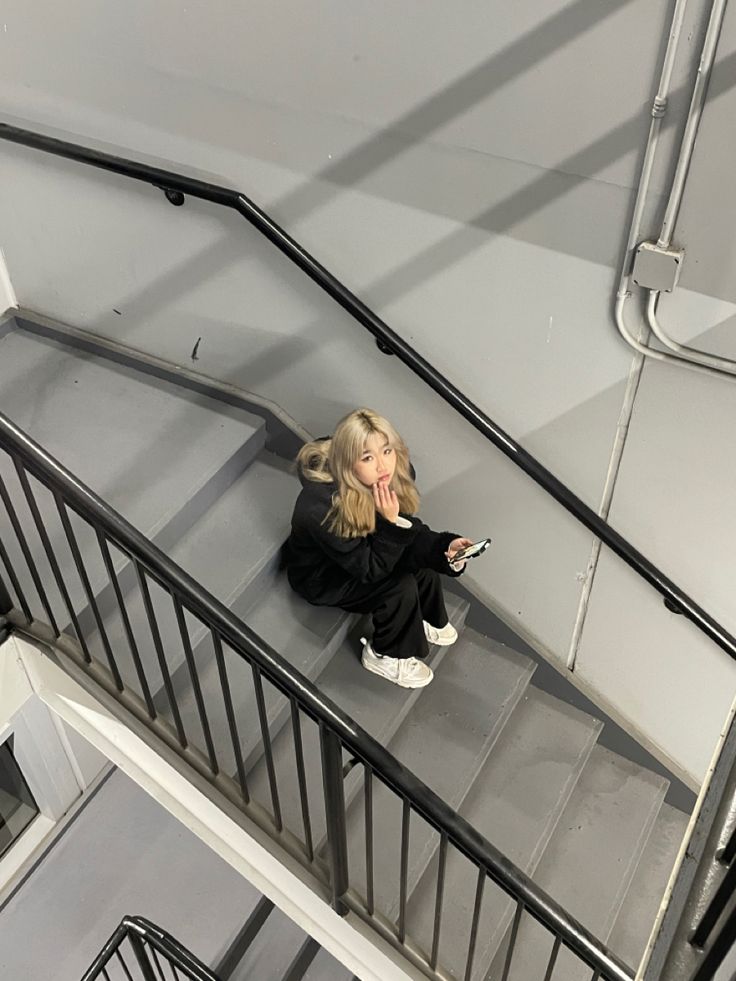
[(372, 702), (515, 803), (444, 740), (229, 545), (637, 915), (615, 802), (106, 423)]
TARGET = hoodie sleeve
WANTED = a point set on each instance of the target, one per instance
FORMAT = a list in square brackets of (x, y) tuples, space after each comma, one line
[(372, 557), (430, 548)]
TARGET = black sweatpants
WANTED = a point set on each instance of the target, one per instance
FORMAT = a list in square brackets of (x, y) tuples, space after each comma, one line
[(398, 605)]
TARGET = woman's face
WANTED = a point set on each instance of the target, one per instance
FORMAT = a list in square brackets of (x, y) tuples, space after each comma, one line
[(377, 462)]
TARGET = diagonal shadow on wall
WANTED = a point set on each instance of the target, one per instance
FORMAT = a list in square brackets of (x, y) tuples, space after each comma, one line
[(462, 94)]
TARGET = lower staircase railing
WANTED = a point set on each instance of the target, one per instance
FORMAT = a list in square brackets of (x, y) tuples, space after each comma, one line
[(695, 936), (82, 563), (140, 951)]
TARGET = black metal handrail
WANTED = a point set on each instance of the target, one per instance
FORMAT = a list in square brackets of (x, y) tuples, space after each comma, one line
[(149, 946), (390, 342), (337, 730)]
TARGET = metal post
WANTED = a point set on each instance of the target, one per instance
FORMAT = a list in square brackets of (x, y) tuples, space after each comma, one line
[(141, 956), (337, 840), (6, 605)]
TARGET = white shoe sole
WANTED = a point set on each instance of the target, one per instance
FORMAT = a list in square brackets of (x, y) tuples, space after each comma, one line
[(412, 683)]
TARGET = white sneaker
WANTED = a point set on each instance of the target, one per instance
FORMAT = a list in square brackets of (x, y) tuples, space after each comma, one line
[(407, 672), (444, 636)]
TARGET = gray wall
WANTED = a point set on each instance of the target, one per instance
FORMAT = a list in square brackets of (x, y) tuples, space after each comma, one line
[(468, 170)]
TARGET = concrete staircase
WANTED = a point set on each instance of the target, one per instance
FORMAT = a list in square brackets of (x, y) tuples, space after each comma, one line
[(523, 767)]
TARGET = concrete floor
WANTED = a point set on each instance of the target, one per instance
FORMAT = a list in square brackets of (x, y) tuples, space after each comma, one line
[(123, 854)]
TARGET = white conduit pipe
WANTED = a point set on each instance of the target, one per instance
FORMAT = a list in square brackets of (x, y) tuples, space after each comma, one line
[(689, 355), (659, 108), (707, 57)]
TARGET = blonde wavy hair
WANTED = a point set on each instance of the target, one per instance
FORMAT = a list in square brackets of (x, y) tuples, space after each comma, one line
[(353, 511)]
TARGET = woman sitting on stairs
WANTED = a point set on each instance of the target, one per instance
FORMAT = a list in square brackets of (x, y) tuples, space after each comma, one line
[(357, 544)]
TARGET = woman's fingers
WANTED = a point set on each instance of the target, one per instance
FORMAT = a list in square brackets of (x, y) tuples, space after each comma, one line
[(386, 500)]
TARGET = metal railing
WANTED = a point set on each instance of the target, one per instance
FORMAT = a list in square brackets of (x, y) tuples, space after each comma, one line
[(141, 951), (337, 735), (696, 937), (87, 581), (176, 186)]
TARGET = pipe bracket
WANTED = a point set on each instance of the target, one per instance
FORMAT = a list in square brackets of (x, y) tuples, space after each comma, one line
[(659, 106)]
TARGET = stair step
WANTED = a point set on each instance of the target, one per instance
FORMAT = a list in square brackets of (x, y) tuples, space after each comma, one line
[(515, 803), (634, 923), (236, 542), (242, 533), (603, 831), (444, 740), (372, 702), (158, 454)]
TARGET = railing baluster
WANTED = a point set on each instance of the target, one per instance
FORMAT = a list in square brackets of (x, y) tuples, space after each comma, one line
[(230, 713), (301, 777), (141, 955), (107, 559), (727, 855), (404, 868), (6, 605), (553, 958), (715, 908), (5, 558), (267, 749), (368, 800), (512, 941), (438, 901), (124, 965), (87, 586), (718, 951), (474, 923), (337, 839), (50, 555), (153, 625), (105, 975), (28, 557), (189, 655), (158, 964)]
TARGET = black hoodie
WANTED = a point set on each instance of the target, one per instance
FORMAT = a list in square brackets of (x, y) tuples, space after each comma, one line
[(321, 565)]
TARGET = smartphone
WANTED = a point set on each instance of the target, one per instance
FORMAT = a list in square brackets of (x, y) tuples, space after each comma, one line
[(470, 551)]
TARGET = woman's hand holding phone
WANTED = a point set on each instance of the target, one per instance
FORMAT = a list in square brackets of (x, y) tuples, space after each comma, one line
[(455, 546), (462, 549)]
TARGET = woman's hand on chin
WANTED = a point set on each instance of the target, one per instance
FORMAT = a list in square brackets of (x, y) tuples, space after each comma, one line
[(386, 501)]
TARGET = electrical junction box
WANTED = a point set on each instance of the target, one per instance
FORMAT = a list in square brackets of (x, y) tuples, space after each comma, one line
[(656, 268)]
